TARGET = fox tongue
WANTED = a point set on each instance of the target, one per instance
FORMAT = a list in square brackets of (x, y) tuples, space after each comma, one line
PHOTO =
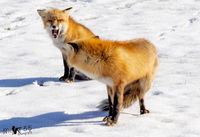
[(55, 33)]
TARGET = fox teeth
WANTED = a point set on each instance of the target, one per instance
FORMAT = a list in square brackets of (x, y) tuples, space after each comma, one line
[(55, 33)]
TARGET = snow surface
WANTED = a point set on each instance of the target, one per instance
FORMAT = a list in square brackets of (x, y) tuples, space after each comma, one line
[(30, 93)]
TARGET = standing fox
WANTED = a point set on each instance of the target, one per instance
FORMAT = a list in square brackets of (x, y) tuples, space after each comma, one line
[(62, 28), (126, 67)]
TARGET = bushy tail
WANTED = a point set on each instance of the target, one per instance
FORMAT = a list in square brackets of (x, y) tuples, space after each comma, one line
[(130, 96), (128, 101)]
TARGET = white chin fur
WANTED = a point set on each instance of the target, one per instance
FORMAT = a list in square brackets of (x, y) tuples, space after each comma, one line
[(59, 40)]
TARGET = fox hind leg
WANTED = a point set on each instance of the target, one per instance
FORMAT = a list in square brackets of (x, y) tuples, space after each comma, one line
[(145, 84), (143, 110)]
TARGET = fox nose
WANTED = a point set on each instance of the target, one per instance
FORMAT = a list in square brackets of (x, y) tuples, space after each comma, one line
[(53, 26)]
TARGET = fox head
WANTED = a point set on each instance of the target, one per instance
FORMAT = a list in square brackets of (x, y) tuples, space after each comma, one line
[(55, 21)]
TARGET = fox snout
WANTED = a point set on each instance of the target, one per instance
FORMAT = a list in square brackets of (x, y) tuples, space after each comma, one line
[(53, 27), (55, 30)]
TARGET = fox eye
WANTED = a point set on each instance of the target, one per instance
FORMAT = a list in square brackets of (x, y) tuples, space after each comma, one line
[(49, 20), (60, 20)]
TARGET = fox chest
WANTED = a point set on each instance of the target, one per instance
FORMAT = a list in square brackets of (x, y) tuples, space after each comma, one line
[(58, 43), (106, 80)]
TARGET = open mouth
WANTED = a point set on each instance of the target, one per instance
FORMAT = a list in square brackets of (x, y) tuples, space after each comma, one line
[(55, 32)]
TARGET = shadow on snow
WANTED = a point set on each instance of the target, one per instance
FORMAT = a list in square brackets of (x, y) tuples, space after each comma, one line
[(19, 82), (52, 119)]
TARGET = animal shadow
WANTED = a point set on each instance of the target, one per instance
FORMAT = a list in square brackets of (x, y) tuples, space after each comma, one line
[(19, 82), (52, 119)]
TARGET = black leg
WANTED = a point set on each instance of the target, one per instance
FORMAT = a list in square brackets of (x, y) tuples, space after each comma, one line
[(116, 107), (110, 105), (143, 110), (66, 68), (66, 71), (72, 73)]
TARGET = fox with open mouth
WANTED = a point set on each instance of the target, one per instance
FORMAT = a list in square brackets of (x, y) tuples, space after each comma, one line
[(62, 28)]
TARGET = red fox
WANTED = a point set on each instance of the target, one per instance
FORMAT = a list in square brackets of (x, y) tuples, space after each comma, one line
[(62, 28), (126, 67)]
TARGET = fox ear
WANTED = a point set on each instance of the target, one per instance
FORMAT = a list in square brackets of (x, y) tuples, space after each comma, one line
[(42, 12), (66, 11), (74, 46)]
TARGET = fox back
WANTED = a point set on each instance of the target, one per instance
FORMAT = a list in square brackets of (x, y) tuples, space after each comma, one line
[(116, 60)]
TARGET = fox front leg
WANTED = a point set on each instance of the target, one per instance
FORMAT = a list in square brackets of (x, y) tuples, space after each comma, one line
[(110, 101), (117, 106), (66, 71), (69, 73), (72, 73)]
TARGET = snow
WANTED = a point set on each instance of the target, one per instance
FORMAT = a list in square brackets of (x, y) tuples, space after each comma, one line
[(30, 93)]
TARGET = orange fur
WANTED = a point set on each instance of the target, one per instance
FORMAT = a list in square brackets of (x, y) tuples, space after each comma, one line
[(116, 59), (126, 67), (75, 31), (68, 30)]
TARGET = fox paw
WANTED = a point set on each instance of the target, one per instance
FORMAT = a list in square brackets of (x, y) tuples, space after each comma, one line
[(110, 122), (69, 81), (105, 119), (63, 78), (144, 111)]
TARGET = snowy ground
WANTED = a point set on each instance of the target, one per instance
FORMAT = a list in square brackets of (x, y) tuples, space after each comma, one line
[(30, 93)]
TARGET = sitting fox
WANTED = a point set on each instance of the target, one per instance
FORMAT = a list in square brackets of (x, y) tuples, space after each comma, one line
[(62, 28), (126, 67)]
